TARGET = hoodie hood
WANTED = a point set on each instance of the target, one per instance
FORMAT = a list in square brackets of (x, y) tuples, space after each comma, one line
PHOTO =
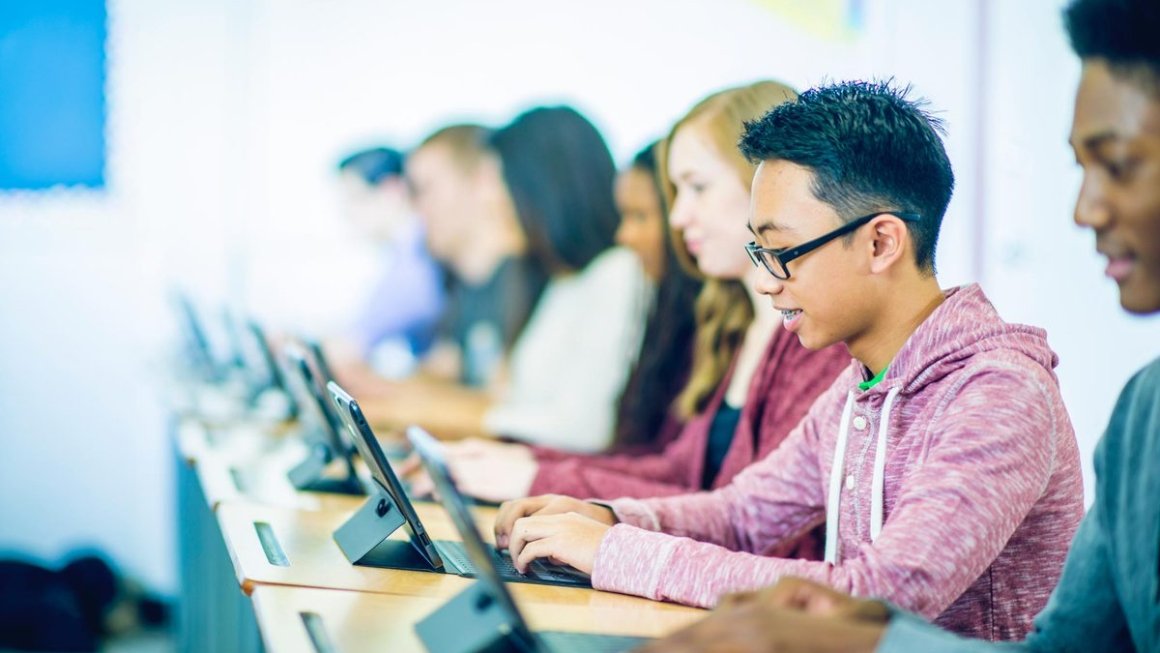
[(965, 329), (965, 325)]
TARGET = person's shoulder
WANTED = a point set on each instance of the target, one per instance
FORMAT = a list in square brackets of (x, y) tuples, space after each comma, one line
[(615, 264), (1018, 365), (1131, 431), (614, 257), (1141, 395), (1148, 376)]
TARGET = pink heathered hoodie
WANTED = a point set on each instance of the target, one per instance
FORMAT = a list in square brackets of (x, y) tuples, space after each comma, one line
[(961, 509)]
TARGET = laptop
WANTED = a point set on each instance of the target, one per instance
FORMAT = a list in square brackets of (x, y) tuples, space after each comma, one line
[(321, 431), (486, 615), (325, 373), (363, 538), (197, 345), (268, 373), (321, 363)]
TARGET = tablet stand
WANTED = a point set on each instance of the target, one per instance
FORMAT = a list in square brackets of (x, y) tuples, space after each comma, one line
[(364, 537), (309, 475), (471, 622)]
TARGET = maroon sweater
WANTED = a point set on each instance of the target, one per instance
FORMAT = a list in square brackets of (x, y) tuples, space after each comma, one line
[(785, 384)]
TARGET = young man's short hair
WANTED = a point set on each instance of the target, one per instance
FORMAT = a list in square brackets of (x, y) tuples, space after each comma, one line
[(373, 165), (1122, 33), (870, 149), (467, 142)]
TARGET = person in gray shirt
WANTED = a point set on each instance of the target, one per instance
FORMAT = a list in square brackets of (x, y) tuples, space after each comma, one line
[(1108, 598)]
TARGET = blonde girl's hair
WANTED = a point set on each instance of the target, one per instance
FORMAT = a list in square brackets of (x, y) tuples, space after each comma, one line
[(723, 309)]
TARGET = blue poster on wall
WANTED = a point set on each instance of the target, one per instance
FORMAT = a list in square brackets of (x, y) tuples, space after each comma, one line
[(52, 94)]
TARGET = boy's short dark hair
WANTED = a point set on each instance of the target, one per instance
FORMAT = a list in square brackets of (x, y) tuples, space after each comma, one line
[(870, 149), (373, 165), (1125, 33)]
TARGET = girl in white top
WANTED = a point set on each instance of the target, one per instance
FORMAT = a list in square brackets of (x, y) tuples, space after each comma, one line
[(569, 366), (571, 361)]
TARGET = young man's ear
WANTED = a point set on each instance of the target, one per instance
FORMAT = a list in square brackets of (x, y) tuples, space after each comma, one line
[(889, 238)]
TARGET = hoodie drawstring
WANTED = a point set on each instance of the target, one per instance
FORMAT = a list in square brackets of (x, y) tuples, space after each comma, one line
[(878, 488), (836, 482), (837, 472)]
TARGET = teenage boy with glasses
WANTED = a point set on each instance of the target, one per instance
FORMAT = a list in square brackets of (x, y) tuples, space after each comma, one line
[(1108, 598), (942, 460)]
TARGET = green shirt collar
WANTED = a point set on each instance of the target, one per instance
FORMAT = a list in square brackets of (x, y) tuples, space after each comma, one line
[(866, 385)]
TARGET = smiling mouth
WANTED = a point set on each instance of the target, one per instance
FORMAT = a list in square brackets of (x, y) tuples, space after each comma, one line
[(1119, 268)]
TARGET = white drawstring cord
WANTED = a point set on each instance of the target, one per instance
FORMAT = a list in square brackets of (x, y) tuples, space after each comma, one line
[(878, 491), (836, 474)]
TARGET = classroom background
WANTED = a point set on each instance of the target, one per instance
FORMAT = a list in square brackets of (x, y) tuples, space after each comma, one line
[(223, 120)]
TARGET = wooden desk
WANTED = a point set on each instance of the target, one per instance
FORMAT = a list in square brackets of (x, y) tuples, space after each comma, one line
[(343, 621), (310, 574), (313, 559), (238, 441), (225, 404), (354, 622), (264, 482), (249, 463)]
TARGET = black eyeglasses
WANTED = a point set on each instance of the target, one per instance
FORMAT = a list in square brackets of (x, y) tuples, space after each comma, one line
[(776, 261)]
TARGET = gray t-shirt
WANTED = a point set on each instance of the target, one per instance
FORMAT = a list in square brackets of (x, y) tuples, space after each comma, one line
[(484, 320)]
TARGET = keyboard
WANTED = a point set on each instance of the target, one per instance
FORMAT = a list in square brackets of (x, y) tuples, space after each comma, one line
[(456, 554)]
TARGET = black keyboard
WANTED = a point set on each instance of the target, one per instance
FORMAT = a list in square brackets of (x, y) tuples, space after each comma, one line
[(457, 554)]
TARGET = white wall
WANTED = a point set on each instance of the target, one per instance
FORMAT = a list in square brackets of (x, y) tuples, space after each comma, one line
[(227, 116), (83, 281), (1040, 268), (328, 76)]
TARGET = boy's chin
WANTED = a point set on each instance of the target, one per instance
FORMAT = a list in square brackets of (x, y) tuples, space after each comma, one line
[(1140, 300)]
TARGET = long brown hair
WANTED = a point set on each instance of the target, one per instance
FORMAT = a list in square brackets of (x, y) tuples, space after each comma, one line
[(666, 352), (723, 309)]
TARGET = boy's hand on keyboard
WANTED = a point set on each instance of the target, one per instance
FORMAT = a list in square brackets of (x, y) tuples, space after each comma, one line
[(569, 538), (547, 504)]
